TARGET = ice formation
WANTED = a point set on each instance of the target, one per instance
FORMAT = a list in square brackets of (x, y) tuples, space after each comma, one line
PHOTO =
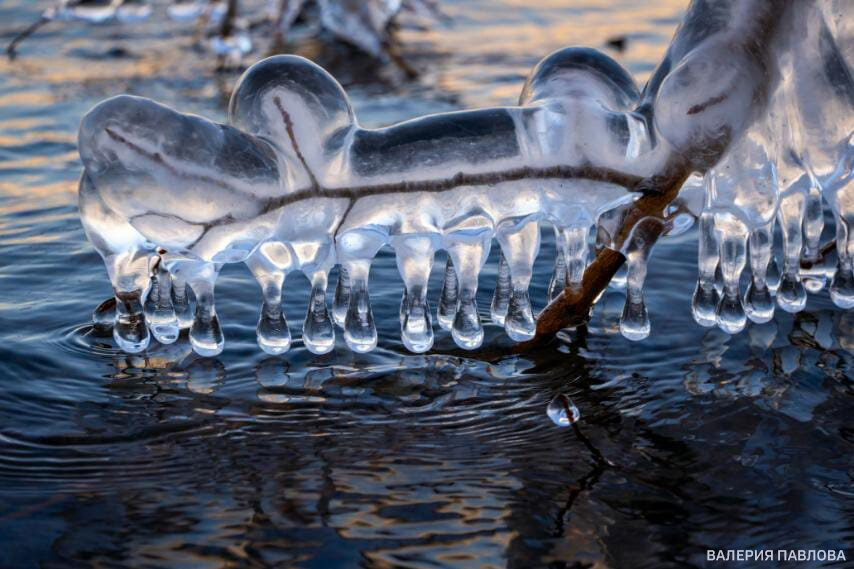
[(293, 183), (363, 23)]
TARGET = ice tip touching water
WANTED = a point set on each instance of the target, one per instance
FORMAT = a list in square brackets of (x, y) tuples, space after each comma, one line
[(741, 138)]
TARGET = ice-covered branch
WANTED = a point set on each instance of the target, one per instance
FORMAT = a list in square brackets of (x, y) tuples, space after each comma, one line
[(294, 183)]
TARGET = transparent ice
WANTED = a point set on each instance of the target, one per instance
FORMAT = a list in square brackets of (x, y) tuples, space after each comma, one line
[(562, 411), (293, 183)]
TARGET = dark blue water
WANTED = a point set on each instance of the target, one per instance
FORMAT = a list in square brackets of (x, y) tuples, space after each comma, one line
[(689, 440)]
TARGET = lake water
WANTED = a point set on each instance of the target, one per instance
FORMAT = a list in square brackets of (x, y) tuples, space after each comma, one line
[(690, 440)]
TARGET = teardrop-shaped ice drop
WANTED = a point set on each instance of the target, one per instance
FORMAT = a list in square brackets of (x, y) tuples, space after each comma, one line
[(467, 329), (161, 318), (501, 297), (815, 277), (318, 333), (206, 335), (273, 333), (129, 331), (704, 304), (842, 286), (558, 280), (758, 303), (341, 299), (414, 257), (448, 297), (634, 322), (104, 315), (417, 327), (520, 324), (562, 411), (360, 332), (730, 315), (791, 295)]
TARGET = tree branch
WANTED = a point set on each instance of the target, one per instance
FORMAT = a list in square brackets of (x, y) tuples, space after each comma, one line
[(572, 307)]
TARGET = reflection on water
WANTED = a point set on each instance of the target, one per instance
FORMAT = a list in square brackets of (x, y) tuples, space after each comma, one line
[(689, 440)]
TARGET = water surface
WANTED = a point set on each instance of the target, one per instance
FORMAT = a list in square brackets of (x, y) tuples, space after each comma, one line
[(687, 441)]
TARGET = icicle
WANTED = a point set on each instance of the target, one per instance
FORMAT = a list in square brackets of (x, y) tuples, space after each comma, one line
[(206, 334), (342, 296), (448, 297), (577, 251), (705, 300), (318, 332), (772, 275), (159, 313), (558, 280), (730, 315), (274, 336), (360, 332), (131, 282), (503, 291), (634, 322), (356, 249), (520, 243), (791, 295), (469, 253), (815, 277), (842, 285), (758, 302), (414, 261)]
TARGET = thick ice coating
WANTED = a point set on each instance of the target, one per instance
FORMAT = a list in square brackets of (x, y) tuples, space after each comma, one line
[(293, 183)]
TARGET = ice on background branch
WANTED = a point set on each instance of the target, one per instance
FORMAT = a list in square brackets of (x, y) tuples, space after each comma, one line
[(293, 183), (366, 24)]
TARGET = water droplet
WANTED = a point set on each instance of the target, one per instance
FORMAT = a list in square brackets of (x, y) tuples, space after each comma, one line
[(562, 411)]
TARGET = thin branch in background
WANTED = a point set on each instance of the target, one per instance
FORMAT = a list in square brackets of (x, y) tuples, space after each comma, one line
[(227, 27), (11, 49)]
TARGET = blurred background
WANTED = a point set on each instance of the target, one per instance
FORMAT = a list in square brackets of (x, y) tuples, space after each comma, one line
[(689, 440)]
